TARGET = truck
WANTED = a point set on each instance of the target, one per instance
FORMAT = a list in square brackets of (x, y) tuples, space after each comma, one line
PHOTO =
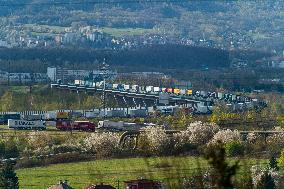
[(65, 125), (115, 113), (84, 126), (120, 125), (33, 117), (62, 115), (5, 117), (26, 125), (138, 113)]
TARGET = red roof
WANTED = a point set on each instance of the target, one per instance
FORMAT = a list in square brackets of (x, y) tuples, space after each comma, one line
[(101, 186)]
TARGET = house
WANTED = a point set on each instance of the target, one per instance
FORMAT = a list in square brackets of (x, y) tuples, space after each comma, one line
[(61, 185), (142, 184), (100, 186)]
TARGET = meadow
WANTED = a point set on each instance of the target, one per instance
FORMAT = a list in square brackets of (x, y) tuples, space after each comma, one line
[(170, 170)]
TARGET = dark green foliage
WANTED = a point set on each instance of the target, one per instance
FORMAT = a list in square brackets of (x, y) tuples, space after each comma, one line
[(273, 164), (8, 149), (8, 177), (266, 182), (149, 58), (234, 148), (222, 171)]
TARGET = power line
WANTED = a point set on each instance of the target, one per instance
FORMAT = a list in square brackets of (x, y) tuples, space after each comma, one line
[(5, 4), (93, 2)]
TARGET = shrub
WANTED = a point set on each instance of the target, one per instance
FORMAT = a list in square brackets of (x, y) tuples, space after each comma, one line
[(156, 141), (234, 148), (226, 136), (201, 133), (103, 144), (275, 141), (264, 177), (281, 159)]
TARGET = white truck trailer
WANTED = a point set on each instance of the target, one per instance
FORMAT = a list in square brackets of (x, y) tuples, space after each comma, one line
[(23, 124)]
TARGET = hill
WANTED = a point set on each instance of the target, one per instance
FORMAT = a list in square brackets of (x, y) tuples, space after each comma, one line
[(151, 58)]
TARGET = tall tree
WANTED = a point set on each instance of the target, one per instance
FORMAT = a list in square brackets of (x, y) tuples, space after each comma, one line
[(8, 177)]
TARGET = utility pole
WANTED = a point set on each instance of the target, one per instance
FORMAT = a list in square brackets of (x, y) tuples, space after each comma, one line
[(9, 69)]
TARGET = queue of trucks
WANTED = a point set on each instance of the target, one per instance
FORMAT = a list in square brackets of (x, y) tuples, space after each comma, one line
[(62, 121)]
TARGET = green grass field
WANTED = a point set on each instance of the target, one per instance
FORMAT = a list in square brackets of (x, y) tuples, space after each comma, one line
[(114, 171)]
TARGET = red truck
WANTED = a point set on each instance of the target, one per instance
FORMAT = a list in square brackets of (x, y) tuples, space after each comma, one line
[(76, 125)]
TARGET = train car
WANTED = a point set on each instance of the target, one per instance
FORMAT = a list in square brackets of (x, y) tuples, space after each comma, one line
[(26, 125), (84, 126), (64, 125), (5, 117)]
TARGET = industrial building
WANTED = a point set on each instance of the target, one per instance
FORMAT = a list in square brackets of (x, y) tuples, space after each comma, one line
[(22, 78), (64, 75)]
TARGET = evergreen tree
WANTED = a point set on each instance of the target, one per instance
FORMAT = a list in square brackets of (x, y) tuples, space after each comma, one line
[(273, 164), (222, 171), (8, 177), (266, 182)]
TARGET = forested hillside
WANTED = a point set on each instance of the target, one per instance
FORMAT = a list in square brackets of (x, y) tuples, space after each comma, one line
[(158, 57)]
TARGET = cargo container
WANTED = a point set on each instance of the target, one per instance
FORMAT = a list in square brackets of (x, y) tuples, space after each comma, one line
[(126, 87), (33, 117), (220, 95), (176, 91), (115, 113), (5, 117), (142, 89), (149, 89), (77, 82), (50, 116), (156, 89), (120, 125), (114, 86), (189, 92), (92, 114), (23, 124), (182, 91), (135, 88), (62, 115), (138, 113), (169, 90), (107, 124)]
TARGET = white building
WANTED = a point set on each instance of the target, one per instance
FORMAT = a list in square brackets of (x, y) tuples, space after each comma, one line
[(68, 75)]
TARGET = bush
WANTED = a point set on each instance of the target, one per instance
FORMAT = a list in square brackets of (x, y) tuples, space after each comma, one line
[(226, 136), (155, 141), (103, 144), (201, 133), (234, 148), (281, 159)]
